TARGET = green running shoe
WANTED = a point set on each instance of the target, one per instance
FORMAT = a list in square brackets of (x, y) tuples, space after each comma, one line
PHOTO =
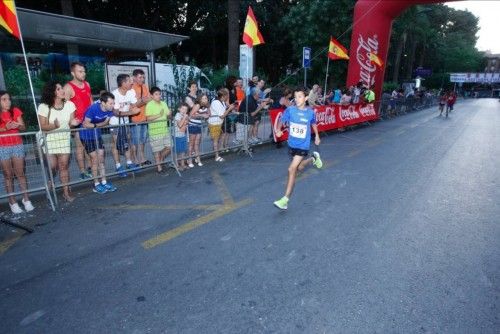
[(282, 203), (317, 160)]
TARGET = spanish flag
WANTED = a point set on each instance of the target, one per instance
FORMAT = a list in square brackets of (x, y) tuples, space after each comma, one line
[(251, 33), (336, 50), (8, 18), (376, 60)]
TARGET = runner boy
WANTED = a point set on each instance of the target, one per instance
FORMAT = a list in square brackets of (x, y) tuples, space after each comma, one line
[(300, 119)]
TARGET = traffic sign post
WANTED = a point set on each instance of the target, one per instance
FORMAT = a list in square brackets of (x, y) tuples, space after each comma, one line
[(306, 62)]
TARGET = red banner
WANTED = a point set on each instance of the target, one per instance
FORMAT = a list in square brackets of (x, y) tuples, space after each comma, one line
[(330, 117)]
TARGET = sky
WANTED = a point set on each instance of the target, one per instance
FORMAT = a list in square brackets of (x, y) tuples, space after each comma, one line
[(489, 21)]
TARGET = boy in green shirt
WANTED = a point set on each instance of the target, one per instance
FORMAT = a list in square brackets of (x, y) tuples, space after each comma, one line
[(158, 113)]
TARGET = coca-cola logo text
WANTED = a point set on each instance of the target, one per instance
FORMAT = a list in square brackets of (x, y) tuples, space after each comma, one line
[(367, 110), (367, 68), (348, 114), (325, 117)]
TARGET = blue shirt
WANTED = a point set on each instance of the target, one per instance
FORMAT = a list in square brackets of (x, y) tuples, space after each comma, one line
[(299, 126), (337, 96), (96, 115)]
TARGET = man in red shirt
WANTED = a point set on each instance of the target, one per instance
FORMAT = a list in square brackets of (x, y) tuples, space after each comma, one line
[(78, 91)]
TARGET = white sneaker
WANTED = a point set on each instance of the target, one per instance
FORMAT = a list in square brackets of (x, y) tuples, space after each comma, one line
[(28, 206), (190, 165), (15, 208)]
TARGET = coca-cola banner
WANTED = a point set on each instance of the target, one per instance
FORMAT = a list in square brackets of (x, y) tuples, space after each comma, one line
[(330, 117), (370, 34)]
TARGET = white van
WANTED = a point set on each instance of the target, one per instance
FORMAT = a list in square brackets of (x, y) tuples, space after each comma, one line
[(167, 79)]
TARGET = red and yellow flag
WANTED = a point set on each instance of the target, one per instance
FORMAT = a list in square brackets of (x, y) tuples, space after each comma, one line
[(336, 50), (251, 33), (376, 60), (8, 18)]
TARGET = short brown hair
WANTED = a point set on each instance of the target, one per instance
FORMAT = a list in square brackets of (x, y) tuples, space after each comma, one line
[(75, 64)]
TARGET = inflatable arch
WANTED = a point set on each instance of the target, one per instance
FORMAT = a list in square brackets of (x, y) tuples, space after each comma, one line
[(371, 33)]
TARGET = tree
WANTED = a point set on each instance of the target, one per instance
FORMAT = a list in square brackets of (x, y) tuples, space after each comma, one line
[(311, 24), (441, 38), (233, 12)]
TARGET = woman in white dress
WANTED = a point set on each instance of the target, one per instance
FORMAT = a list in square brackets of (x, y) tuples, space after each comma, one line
[(56, 117)]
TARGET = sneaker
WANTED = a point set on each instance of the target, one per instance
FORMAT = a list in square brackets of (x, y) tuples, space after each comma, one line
[(100, 189), (282, 203), (132, 166), (85, 175), (28, 206), (109, 187), (317, 160), (190, 165), (121, 171), (15, 208), (198, 162)]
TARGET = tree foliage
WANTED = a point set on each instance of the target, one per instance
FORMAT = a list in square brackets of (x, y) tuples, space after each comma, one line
[(433, 36)]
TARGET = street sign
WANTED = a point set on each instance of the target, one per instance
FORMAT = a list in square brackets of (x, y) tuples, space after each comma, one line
[(306, 57), (422, 72), (246, 62)]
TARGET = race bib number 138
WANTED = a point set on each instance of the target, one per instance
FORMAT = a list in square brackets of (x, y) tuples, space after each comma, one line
[(298, 130)]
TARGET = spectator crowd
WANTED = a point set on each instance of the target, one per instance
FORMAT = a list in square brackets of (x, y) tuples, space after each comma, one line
[(135, 117)]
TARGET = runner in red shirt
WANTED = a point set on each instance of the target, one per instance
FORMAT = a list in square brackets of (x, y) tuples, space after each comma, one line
[(78, 91), (452, 98), (12, 152), (442, 102)]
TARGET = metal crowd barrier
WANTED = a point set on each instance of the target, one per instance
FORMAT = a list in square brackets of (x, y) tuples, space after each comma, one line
[(239, 135), (390, 108), (35, 167)]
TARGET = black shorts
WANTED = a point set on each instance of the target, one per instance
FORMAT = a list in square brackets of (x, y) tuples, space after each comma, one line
[(228, 126), (92, 144), (297, 151)]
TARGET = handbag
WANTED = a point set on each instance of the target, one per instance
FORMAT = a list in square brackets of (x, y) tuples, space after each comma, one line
[(40, 138)]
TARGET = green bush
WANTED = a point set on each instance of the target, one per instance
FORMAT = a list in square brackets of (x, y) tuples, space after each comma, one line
[(95, 76), (218, 76), (16, 81)]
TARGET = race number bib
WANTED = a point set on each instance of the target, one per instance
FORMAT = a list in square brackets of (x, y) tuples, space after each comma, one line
[(298, 130)]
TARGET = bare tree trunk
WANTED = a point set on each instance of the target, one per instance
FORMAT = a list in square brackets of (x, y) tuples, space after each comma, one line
[(397, 60), (233, 14), (422, 54), (411, 58)]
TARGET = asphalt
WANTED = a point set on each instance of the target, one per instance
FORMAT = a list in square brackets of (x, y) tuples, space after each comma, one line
[(399, 233)]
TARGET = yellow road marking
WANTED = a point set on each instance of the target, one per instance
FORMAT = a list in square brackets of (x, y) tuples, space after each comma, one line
[(219, 182), (163, 207), (5, 245), (171, 234)]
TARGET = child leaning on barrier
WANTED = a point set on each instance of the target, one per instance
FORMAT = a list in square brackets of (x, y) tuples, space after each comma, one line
[(12, 152), (181, 120), (157, 112)]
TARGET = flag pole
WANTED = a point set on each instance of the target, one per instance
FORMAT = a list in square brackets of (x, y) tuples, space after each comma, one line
[(326, 78), (27, 68), (42, 163)]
